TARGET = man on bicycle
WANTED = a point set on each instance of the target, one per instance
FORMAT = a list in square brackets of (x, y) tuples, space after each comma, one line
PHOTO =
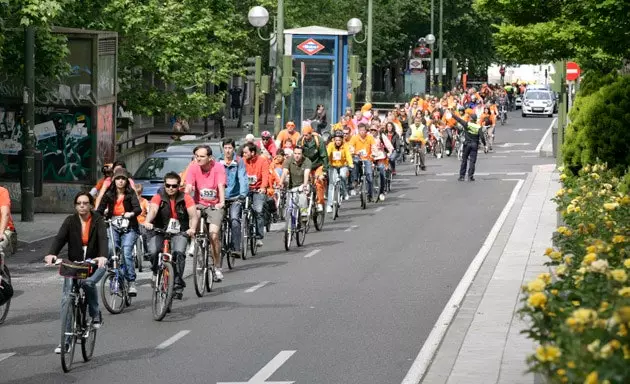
[(417, 140), (173, 211), (362, 144), (7, 229), (207, 179), (298, 169), (314, 149), (340, 160), (237, 187), (257, 169)]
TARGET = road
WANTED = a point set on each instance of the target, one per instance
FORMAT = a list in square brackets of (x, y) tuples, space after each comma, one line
[(354, 305)]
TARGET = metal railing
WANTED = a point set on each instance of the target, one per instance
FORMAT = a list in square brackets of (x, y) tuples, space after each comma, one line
[(157, 137)]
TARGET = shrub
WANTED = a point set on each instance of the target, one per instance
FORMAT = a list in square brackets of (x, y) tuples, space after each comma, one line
[(580, 316), (599, 129)]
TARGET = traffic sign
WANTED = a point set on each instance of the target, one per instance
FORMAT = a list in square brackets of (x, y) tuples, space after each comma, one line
[(573, 71)]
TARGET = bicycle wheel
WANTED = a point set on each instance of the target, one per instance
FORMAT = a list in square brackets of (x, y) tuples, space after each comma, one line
[(199, 269), (112, 293), (209, 262), (335, 203), (288, 234), (88, 339), (68, 336), (252, 235), (138, 254), (300, 233), (4, 308), (416, 162), (362, 193), (163, 291), (225, 249), (244, 235), (318, 219)]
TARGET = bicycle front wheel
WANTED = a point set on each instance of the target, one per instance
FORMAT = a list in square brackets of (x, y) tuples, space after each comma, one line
[(163, 291), (252, 236), (68, 335), (244, 236), (112, 293), (4, 308), (335, 203), (199, 270), (288, 234), (88, 339)]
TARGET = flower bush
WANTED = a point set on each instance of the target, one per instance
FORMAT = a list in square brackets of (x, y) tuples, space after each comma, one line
[(580, 312)]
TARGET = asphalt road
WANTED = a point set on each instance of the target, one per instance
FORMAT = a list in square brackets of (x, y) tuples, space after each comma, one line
[(354, 305)]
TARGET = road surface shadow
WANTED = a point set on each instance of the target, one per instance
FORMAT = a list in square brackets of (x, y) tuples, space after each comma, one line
[(187, 312)]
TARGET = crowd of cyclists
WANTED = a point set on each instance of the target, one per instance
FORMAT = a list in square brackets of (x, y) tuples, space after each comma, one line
[(363, 146)]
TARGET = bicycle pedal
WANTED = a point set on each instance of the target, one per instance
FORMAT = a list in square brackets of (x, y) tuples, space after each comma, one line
[(132, 294)]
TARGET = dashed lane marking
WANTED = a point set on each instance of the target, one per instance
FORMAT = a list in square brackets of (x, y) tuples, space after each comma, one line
[(170, 341), (256, 287), (312, 253)]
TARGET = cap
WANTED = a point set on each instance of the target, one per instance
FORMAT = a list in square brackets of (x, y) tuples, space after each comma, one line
[(307, 129), (338, 133), (121, 172), (249, 137), (265, 134), (473, 117)]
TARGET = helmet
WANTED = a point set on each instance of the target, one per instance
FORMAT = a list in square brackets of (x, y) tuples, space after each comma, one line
[(338, 133), (473, 117), (266, 134)]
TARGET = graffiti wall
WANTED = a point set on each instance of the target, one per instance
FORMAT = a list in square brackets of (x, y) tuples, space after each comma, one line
[(62, 134), (105, 137)]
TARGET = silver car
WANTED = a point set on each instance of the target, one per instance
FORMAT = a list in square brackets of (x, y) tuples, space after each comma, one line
[(538, 102)]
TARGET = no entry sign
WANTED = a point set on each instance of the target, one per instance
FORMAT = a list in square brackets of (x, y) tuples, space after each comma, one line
[(573, 71)]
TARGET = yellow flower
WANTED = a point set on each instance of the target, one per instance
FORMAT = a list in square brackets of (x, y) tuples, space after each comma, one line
[(626, 352), (624, 313), (549, 353), (624, 292), (546, 277), (554, 292), (537, 300), (593, 347), (623, 331), (589, 258), (555, 256), (611, 206), (536, 286), (591, 249), (548, 251), (561, 270), (603, 306), (615, 344), (619, 275), (595, 176), (576, 303), (626, 263), (572, 208), (618, 239), (625, 200), (568, 259), (562, 229), (563, 177), (606, 351), (571, 364), (592, 378), (561, 372), (560, 192), (607, 186)]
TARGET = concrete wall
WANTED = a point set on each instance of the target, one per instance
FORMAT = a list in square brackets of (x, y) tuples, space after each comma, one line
[(56, 197)]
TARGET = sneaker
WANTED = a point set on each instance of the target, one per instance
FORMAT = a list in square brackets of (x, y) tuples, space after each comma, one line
[(178, 295), (460, 179), (58, 349), (237, 254), (353, 193), (423, 167), (304, 211), (97, 321), (381, 197), (259, 243), (153, 278), (218, 275), (370, 199), (347, 197), (471, 178), (329, 209), (320, 207), (133, 291)]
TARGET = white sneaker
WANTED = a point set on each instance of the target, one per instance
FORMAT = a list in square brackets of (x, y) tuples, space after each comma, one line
[(132, 289), (259, 243), (218, 274), (381, 197), (58, 349), (353, 193), (320, 207), (304, 211), (346, 197), (329, 209)]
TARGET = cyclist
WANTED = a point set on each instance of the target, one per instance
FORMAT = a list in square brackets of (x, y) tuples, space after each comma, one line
[(107, 173), (362, 144), (382, 146), (287, 138), (417, 140), (397, 144), (297, 169), (207, 179), (108, 181), (7, 229), (120, 200), (237, 187), (267, 144), (257, 169), (313, 148), (171, 210), (85, 234), (340, 160)]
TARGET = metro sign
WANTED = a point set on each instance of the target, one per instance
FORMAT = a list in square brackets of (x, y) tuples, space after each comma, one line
[(310, 47)]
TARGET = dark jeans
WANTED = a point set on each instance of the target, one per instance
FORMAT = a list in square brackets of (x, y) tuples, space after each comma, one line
[(258, 204), (178, 251), (91, 294), (470, 154), (393, 157), (236, 209)]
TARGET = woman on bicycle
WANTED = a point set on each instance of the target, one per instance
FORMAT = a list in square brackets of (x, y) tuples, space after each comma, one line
[(84, 233), (396, 141), (121, 202)]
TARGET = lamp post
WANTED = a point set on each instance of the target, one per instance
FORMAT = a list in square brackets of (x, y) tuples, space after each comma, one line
[(354, 26), (430, 39), (368, 65), (431, 83), (441, 46), (258, 17)]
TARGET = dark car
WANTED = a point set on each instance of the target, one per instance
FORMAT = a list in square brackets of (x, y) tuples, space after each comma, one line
[(152, 170), (189, 145)]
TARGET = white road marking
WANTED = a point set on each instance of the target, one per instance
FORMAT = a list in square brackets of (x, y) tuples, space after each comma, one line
[(403, 195), (422, 361), (482, 174), (436, 179), (351, 228), (4, 356), (526, 129), (261, 376), (379, 209), (516, 173), (508, 145), (173, 339), (511, 179), (517, 151), (312, 253), (395, 179), (446, 174), (529, 156), (256, 287), (542, 141), (494, 157)]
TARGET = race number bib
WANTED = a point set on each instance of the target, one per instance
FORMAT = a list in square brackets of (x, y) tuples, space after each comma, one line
[(351, 148), (252, 179), (120, 222), (208, 194), (173, 226), (363, 153), (336, 155)]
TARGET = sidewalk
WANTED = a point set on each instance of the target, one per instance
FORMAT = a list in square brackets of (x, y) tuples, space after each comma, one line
[(483, 343)]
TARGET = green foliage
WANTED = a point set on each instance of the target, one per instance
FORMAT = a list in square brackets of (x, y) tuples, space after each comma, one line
[(592, 81), (599, 127)]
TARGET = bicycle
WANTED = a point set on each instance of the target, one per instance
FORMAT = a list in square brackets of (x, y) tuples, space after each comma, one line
[(5, 275), (336, 197), (226, 235), (115, 281), (248, 227), (280, 198), (294, 228), (503, 114), (203, 262), (362, 184), (376, 182), (313, 213), (138, 252), (418, 157), (75, 315), (486, 138), (388, 179), (165, 279)]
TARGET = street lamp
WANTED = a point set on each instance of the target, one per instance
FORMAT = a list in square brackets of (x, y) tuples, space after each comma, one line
[(258, 17), (355, 26)]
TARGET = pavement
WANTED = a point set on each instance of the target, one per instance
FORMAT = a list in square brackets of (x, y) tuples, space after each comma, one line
[(355, 304)]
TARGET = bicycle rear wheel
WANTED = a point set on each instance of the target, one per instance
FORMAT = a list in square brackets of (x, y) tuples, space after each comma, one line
[(163, 291), (244, 236), (4, 308), (362, 193), (252, 236), (199, 269), (225, 248), (112, 293), (209, 262), (88, 338), (335, 204), (288, 234), (68, 335)]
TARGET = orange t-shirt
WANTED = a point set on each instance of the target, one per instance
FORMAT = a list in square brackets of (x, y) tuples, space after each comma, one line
[(119, 208), (363, 147), (85, 232), (284, 136), (5, 201), (144, 204)]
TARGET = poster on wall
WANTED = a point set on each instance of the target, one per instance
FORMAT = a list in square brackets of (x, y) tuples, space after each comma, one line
[(63, 135), (105, 142)]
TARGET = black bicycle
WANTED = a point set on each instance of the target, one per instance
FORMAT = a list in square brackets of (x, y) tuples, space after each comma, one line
[(165, 279), (5, 284), (226, 236)]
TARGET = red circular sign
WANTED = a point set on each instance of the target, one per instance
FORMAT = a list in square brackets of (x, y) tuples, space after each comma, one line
[(573, 71)]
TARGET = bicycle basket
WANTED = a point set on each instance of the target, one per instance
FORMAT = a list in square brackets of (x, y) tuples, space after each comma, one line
[(72, 270)]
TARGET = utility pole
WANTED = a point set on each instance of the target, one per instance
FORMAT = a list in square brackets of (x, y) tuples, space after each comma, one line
[(27, 183), (368, 65), (440, 85), (431, 77), (279, 57)]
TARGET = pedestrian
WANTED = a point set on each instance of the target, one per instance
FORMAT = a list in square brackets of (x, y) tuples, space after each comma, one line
[(471, 145)]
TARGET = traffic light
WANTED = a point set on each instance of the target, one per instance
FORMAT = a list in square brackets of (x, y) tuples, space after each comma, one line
[(289, 82), (355, 75), (254, 69)]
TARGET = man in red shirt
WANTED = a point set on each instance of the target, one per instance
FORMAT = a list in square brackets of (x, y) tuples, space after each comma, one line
[(257, 168), (7, 229)]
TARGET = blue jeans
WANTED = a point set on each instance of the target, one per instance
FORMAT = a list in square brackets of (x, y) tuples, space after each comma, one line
[(258, 203), (367, 170), (236, 210), (392, 159), (91, 294), (125, 241), (381, 171), (336, 172)]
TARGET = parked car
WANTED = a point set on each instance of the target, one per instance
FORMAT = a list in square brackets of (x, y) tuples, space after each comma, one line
[(152, 170), (538, 102), (189, 145)]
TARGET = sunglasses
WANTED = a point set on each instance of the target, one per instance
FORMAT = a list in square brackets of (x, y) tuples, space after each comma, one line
[(172, 186), (82, 203)]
